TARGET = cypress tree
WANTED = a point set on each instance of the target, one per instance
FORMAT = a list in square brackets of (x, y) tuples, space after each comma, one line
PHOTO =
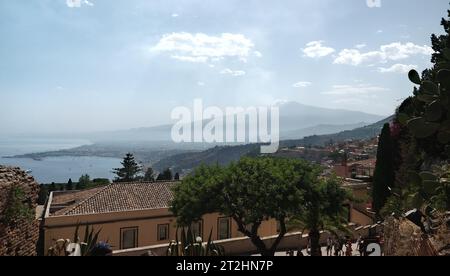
[(384, 175), (69, 185)]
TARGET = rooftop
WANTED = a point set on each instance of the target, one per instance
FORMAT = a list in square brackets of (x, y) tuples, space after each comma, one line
[(117, 197), (364, 163)]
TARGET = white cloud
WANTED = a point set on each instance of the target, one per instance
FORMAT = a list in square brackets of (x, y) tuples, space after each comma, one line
[(175, 15), (390, 52), (361, 46), (302, 84), (257, 54), (355, 90), (237, 73), (190, 59), (78, 3), (315, 49), (373, 3), (204, 48), (200, 83), (397, 68)]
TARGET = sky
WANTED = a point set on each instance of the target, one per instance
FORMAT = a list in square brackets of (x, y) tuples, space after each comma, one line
[(69, 66)]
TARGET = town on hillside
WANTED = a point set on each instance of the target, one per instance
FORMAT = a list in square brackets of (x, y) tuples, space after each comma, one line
[(297, 180)]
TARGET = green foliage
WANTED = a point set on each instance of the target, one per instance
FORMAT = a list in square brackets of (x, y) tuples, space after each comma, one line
[(430, 188), (188, 245), (69, 185), (428, 117), (323, 209), (87, 245), (166, 175), (17, 207), (251, 191), (149, 175), (130, 171), (43, 194), (100, 182), (89, 242), (426, 120), (384, 176), (84, 182)]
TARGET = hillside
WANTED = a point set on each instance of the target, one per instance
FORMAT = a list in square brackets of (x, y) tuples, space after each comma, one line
[(296, 121), (225, 155)]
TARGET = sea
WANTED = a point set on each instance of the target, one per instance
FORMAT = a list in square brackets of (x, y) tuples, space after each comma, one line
[(54, 169)]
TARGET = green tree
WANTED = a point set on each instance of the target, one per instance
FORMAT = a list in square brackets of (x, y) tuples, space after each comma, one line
[(84, 182), (69, 185), (52, 187), (130, 171), (149, 175), (384, 176), (177, 177), (17, 207), (166, 175), (250, 191), (425, 133), (43, 194), (323, 209), (100, 182)]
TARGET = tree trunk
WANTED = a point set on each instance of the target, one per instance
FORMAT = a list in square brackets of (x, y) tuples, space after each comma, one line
[(262, 249), (314, 237)]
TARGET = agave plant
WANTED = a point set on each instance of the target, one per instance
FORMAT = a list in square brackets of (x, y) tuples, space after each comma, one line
[(89, 246), (187, 244)]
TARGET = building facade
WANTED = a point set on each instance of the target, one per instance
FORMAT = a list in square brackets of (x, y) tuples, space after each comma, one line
[(130, 215)]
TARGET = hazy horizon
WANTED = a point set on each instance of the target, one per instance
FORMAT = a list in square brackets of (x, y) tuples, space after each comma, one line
[(85, 66)]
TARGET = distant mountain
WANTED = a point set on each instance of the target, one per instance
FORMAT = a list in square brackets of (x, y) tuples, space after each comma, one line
[(217, 155), (225, 155), (318, 130), (366, 132), (294, 116), (296, 121)]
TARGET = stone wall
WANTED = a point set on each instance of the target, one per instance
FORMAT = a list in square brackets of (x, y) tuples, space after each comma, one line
[(404, 238), (18, 238)]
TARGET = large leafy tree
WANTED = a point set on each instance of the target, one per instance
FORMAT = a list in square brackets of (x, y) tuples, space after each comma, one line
[(130, 171), (384, 176), (323, 209), (250, 191)]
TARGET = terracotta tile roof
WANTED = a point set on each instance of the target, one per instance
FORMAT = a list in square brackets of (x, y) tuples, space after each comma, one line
[(73, 196), (119, 197), (365, 163)]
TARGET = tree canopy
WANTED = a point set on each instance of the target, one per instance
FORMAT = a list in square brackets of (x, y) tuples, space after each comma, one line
[(166, 175), (130, 171), (250, 191)]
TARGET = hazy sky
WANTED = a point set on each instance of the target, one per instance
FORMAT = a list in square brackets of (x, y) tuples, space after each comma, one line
[(113, 64)]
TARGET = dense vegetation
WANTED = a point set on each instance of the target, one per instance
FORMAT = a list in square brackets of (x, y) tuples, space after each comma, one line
[(254, 190), (422, 136)]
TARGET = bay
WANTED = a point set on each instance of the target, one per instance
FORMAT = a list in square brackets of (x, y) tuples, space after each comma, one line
[(55, 169)]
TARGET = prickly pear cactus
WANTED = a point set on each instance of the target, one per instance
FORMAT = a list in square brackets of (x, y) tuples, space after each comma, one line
[(430, 118)]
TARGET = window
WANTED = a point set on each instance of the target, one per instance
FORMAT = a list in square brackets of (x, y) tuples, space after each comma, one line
[(224, 228), (197, 229), (128, 238), (163, 232)]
